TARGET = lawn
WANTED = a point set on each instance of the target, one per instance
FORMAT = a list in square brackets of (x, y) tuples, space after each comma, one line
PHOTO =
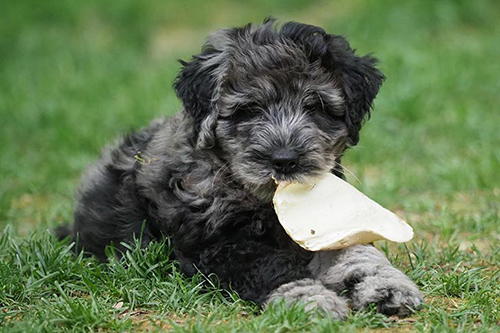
[(74, 75)]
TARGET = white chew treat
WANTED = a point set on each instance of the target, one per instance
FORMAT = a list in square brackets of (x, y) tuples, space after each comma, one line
[(331, 214)]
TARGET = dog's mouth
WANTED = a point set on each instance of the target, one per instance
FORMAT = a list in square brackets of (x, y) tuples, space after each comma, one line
[(308, 177), (281, 182), (265, 189)]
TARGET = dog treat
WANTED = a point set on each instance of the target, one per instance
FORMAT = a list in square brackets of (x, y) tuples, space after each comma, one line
[(331, 214)]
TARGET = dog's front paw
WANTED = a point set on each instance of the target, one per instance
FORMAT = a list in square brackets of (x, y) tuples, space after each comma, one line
[(396, 295), (314, 295)]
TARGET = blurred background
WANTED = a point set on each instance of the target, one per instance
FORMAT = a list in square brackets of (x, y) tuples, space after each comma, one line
[(74, 75)]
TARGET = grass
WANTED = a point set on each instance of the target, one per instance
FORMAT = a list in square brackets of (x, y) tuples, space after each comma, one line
[(76, 74)]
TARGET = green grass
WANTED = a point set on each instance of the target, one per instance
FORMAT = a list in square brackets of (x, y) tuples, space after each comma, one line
[(74, 75)]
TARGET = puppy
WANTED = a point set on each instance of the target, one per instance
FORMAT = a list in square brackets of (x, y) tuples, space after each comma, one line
[(260, 103)]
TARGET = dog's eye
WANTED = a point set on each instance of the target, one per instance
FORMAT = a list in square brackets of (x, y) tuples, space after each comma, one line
[(325, 116), (314, 106), (245, 112), (320, 108)]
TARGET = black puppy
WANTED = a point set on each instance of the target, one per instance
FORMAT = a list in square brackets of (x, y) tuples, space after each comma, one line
[(260, 103)]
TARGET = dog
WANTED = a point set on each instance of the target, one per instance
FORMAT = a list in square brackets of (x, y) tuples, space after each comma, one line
[(261, 104)]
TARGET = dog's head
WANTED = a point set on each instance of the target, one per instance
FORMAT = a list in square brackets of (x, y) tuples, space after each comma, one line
[(278, 103)]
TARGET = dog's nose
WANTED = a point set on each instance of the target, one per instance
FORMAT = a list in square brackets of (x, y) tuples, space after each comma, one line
[(285, 161)]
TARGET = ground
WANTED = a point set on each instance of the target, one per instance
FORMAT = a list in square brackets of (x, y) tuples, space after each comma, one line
[(74, 75)]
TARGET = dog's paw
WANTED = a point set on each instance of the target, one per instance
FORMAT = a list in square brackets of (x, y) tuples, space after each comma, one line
[(314, 295), (396, 295)]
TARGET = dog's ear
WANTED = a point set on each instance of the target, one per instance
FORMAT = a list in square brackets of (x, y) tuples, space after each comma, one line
[(197, 85), (358, 78)]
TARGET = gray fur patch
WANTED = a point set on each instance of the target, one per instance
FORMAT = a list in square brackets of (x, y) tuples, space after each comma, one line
[(314, 295)]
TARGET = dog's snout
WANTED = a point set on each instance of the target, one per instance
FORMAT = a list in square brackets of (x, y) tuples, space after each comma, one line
[(285, 161)]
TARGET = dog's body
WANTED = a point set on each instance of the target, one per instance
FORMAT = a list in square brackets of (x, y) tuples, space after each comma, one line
[(259, 105)]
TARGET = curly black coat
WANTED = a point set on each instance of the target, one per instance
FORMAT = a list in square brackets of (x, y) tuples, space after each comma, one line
[(259, 103)]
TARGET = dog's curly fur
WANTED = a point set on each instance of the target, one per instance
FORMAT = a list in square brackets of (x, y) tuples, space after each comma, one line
[(255, 98)]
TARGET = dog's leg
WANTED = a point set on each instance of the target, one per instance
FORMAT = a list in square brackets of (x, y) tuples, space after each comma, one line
[(265, 274), (312, 293), (367, 277)]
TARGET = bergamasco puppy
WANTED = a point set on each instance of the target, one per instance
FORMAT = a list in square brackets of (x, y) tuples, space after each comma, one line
[(261, 102)]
